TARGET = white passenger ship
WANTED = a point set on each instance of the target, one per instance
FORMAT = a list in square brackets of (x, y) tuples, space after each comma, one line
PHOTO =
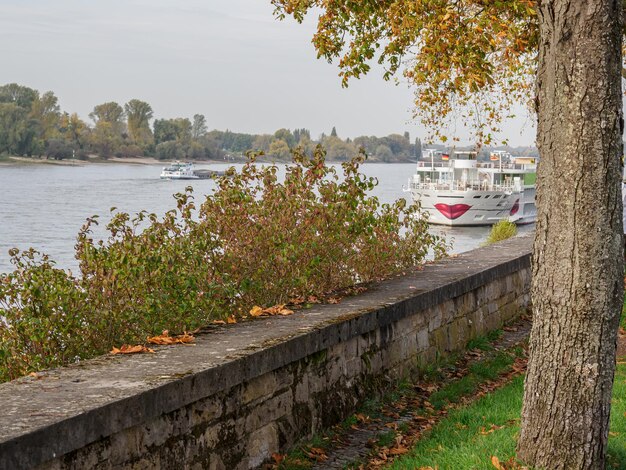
[(457, 190)]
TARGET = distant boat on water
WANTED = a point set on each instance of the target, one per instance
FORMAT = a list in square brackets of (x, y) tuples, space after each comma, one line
[(186, 171)]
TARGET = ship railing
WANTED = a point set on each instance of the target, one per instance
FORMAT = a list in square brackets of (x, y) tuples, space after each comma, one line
[(429, 164), (504, 166), (464, 186), (490, 165)]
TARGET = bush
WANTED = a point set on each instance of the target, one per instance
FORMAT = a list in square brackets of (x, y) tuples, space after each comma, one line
[(255, 241), (501, 231), (58, 149), (42, 322)]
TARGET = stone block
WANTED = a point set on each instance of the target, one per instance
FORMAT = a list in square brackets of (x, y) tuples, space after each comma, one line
[(268, 411), (403, 327), (492, 322), (510, 283), (434, 321), (459, 333), (262, 443), (354, 368), (376, 363), (205, 411), (335, 370), (509, 312), (365, 342), (397, 352), (422, 339), (465, 304), (215, 463), (448, 311), (480, 296), (428, 356), (263, 386), (301, 391), (440, 340)]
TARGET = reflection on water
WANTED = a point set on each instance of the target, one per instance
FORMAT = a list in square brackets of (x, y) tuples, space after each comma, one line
[(44, 206)]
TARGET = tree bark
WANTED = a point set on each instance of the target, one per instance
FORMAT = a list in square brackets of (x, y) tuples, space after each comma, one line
[(577, 286)]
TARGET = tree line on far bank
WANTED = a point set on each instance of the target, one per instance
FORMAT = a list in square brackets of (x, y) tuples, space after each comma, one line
[(33, 125)]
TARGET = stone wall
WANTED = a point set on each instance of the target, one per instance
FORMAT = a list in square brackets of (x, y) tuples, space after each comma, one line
[(245, 391)]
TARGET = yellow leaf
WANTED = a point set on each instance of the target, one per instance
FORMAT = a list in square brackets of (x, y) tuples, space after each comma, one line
[(128, 349), (399, 450), (256, 311), (495, 461), (165, 338), (231, 319), (273, 310)]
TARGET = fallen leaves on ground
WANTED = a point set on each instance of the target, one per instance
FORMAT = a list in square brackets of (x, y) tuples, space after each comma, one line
[(510, 464), (398, 450), (270, 311), (418, 415), (297, 301), (128, 349), (165, 338), (316, 453), (492, 428)]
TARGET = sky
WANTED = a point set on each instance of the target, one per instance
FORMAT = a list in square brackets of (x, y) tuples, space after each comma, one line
[(230, 60)]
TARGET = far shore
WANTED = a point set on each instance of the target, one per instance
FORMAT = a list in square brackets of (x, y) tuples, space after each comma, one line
[(14, 160), (95, 160)]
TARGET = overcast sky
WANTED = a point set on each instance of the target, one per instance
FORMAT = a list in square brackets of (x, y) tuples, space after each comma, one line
[(230, 60)]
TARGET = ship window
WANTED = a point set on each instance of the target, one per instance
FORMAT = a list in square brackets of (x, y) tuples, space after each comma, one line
[(476, 197), (496, 196), (479, 217), (487, 196)]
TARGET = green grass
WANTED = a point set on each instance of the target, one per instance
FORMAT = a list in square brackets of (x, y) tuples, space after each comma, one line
[(479, 372), (386, 439), (457, 442), (484, 343), (470, 436), (501, 231), (451, 392), (617, 436)]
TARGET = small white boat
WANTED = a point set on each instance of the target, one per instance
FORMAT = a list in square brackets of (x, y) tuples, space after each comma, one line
[(457, 190), (179, 171)]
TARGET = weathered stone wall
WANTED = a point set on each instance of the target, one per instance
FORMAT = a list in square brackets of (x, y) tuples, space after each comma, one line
[(246, 391)]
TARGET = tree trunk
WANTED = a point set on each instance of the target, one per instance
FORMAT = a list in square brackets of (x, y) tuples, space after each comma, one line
[(577, 286)]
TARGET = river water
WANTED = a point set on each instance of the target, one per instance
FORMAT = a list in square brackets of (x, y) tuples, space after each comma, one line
[(44, 206)]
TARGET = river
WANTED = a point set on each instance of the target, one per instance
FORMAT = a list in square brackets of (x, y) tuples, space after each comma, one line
[(43, 206)]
